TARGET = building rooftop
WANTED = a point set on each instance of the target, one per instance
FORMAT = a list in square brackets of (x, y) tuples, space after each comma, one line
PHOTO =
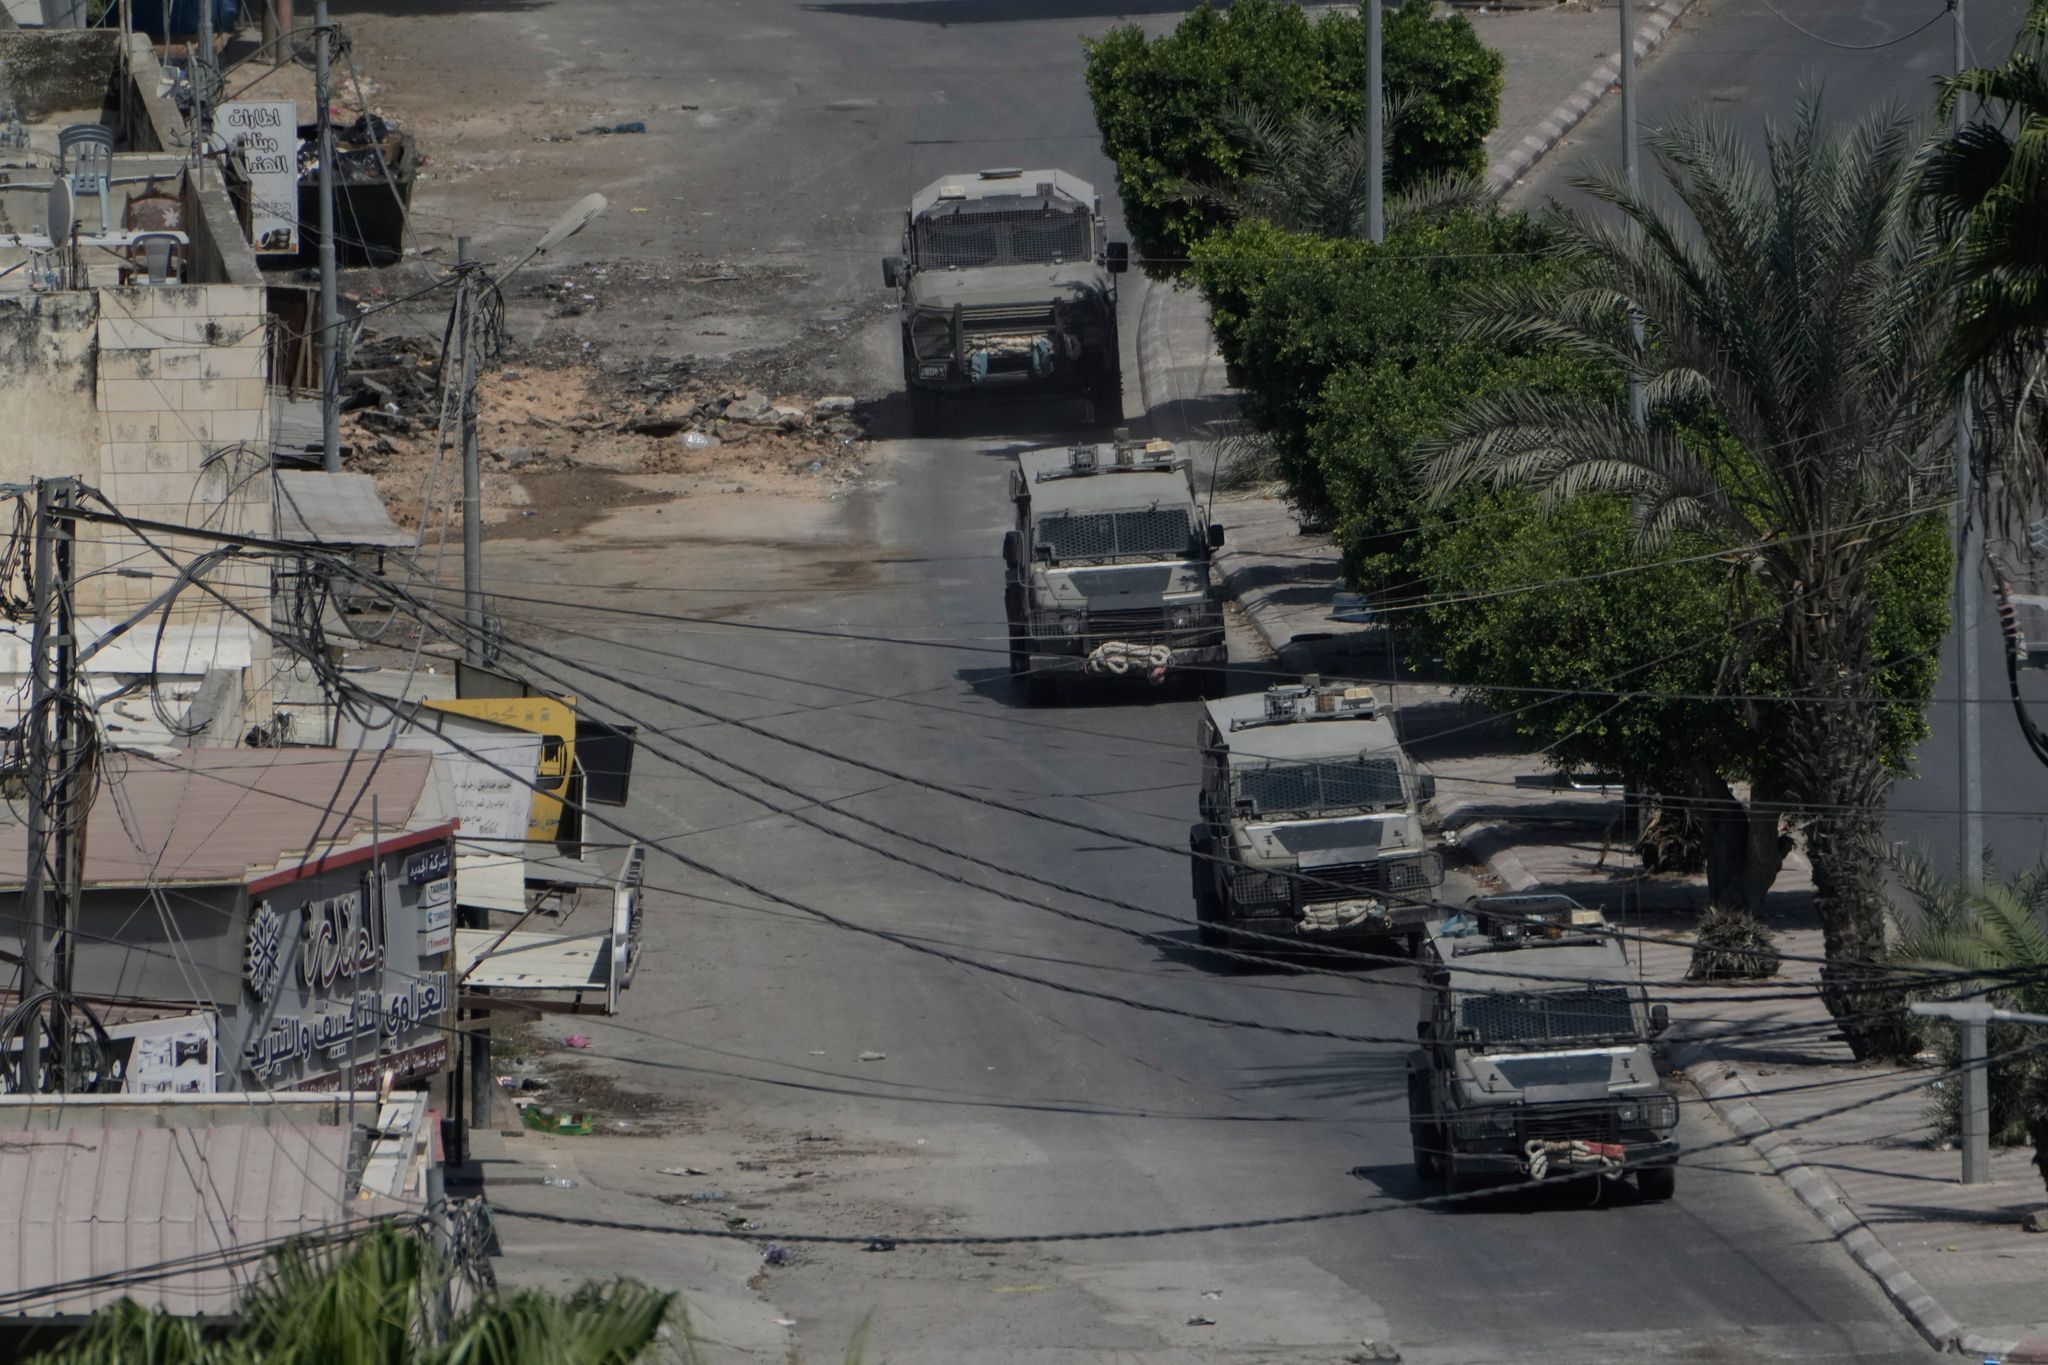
[(216, 817)]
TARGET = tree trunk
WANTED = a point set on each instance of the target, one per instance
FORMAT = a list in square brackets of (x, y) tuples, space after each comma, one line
[(1836, 769), (1743, 848)]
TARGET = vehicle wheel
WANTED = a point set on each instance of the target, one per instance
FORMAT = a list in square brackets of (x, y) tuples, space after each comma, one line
[(1413, 943), (1449, 1164), (1657, 1182), (924, 412), (1108, 396), (1422, 1134), (1208, 905)]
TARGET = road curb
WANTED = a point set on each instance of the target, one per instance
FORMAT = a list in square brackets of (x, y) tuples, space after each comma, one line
[(1729, 1096), (1515, 163)]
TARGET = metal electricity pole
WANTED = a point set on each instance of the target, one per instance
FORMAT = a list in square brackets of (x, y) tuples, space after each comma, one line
[(1973, 1019), (472, 474), (1375, 127), (330, 307), (1969, 727), (54, 760), (1638, 405)]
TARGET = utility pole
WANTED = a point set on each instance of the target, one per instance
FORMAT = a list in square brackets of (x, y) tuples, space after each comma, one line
[(1638, 405), (330, 307), (1969, 726), (55, 761), (1973, 1018), (203, 88), (1375, 127), (472, 473)]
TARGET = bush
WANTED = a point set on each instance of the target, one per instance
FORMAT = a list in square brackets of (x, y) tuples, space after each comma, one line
[(1160, 103)]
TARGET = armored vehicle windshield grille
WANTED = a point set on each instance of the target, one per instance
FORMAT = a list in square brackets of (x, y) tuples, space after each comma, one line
[(1111, 535), (1550, 1016), (1360, 782), (1008, 237)]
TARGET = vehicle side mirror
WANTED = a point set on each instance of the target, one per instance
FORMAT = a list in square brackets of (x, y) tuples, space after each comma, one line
[(1118, 256), (1660, 1019), (1013, 549), (1215, 536), (1425, 787), (1425, 1030), (892, 271)]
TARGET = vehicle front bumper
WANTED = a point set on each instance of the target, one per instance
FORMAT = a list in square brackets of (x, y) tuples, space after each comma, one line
[(1093, 659), (1512, 1156)]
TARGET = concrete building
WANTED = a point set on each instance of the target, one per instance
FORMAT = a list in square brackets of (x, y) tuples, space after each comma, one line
[(303, 898), (154, 394)]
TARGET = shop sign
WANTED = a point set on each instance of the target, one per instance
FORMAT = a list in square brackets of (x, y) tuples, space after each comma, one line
[(369, 1021), (429, 865)]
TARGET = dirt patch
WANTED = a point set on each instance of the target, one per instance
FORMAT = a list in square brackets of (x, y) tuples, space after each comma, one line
[(557, 434)]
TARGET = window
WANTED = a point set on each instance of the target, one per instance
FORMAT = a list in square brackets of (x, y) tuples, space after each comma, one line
[(1371, 783), (1151, 533), (1007, 237), (1550, 1016)]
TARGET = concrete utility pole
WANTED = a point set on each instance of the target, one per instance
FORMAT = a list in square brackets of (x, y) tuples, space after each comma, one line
[(1375, 127), (1638, 405), (472, 473), (55, 761), (1974, 1017), (1969, 725), (330, 307)]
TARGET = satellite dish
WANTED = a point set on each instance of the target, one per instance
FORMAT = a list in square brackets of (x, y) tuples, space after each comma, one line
[(574, 221), (62, 216)]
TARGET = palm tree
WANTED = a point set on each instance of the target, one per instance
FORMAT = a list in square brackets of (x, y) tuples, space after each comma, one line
[(1994, 936), (1793, 312), (368, 1302), (1308, 171), (1987, 184)]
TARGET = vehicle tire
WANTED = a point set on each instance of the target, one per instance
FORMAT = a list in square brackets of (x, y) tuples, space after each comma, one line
[(1423, 1137), (1108, 397), (1208, 905), (1448, 1163), (924, 411), (1657, 1182), (1413, 943)]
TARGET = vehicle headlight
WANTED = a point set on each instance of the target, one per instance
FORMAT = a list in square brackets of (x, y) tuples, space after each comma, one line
[(1501, 1120), (1661, 1111), (1070, 622), (1628, 1112), (1183, 618), (1498, 1119)]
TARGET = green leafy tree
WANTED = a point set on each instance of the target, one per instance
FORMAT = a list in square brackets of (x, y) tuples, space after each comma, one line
[(366, 1303), (1987, 184), (1794, 312), (1170, 109), (1996, 935)]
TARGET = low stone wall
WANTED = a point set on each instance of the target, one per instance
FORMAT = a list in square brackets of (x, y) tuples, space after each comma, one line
[(48, 71)]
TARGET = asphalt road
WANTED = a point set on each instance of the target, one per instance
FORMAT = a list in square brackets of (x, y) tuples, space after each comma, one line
[(1001, 1105)]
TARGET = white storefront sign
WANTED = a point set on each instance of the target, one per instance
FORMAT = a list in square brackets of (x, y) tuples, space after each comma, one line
[(266, 135)]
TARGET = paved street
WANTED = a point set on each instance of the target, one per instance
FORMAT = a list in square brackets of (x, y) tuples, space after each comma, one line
[(999, 1105)]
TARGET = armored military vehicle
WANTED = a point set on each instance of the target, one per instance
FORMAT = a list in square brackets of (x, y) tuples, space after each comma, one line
[(1106, 573), (1006, 285), (1535, 1053), (1311, 823)]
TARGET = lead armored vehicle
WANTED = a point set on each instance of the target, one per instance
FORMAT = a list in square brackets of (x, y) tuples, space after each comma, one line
[(1006, 283), (1535, 1057), (1106, 572), (1311, 821)]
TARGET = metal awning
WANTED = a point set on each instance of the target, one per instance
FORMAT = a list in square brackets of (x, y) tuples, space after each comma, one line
[(601, 957), (343, 511)]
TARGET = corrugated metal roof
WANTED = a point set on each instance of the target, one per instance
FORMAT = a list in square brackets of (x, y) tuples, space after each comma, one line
[(318, 508), (217, 816), (175, 1218)]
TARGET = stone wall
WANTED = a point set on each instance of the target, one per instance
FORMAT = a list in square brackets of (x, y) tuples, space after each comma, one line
[(156, 397)]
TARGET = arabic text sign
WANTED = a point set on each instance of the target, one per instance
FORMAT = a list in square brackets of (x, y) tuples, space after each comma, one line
[(267, 134)]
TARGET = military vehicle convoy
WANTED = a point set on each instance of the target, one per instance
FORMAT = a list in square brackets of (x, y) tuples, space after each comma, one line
[(1311, 821), (1006, 285), (1535, 1057), (1107, 573)]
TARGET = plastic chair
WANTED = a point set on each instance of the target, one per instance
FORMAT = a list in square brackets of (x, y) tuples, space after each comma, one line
[(157, 253), (85, 156)]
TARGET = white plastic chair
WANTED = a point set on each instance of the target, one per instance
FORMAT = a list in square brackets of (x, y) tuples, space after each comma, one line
[(85, 157)]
